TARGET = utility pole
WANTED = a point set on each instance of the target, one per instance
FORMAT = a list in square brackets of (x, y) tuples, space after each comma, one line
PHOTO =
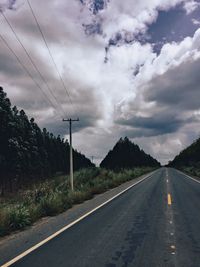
[(71, 152)]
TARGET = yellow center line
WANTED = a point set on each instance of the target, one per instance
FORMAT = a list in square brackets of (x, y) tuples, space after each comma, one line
[(169, 199)]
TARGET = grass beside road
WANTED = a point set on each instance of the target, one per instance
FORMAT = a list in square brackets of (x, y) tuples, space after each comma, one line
[(192, 170), (54, 196)]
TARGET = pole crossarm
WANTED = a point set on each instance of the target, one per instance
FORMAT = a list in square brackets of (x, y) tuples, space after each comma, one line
[(71, 119), (71, 151)]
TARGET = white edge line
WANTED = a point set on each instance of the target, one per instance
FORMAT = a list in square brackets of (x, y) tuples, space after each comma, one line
[(28, 251), (188, 176)]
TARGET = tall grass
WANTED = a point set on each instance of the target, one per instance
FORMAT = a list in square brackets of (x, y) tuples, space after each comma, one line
[(192, 170), (54, 196)]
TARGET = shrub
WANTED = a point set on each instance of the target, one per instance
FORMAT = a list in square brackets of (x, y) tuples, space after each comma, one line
[(4, 222), (19, 217), (36, 194), (51, 205), (35, 212), (85, 176), (52, 197), (14, 217), (66, 201), (79, 196)]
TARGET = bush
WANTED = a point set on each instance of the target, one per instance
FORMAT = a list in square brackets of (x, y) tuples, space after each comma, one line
[(37, 194), (52, 197), (4, 222), (79, 196), (14, 218), (35, 212), (51, 205), (85, 177), (19, 217)]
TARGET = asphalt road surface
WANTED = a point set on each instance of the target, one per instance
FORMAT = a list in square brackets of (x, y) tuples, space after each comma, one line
[(155, 223)]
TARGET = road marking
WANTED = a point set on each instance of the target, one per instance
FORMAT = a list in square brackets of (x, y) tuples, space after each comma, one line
[(169, 199), (28, 251), (167, 181), (188, 176)]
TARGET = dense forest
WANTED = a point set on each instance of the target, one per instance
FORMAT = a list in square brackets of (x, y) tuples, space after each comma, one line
[(188, 157), (126, 154), (28, 153)]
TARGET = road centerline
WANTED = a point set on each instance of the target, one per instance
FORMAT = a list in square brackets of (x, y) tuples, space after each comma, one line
[(169, 199)]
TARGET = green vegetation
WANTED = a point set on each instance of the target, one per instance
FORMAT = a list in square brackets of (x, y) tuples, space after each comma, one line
[(31, 159), (54, 196), (189, 159), (126, 154), (193, 171), (27, 153)]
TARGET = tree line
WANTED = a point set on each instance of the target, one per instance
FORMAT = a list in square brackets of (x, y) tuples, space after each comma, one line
[(126, 154), (188, 157), (28, 153)]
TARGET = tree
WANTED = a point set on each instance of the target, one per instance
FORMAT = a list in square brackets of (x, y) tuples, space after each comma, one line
[(188, 157), (126, 154), (28, 153)]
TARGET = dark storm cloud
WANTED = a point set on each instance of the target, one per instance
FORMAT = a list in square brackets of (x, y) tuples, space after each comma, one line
[(8, 66), (178, 88), (61, 128), (11, 66), (85, 116), (55, 33), (24, 93), (175, 95), (25, 24), (158, 124), (14, 74), (77, 35)]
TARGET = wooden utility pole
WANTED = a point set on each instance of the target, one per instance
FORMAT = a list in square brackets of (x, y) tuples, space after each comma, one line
[(71, 152)]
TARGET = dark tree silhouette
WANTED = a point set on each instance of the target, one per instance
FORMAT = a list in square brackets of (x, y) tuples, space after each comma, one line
[(188, 157), (126, 154), (28, 153)]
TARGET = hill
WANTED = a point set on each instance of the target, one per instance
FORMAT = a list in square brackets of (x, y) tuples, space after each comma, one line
[(126, 154), (28, 153), (189, 157)]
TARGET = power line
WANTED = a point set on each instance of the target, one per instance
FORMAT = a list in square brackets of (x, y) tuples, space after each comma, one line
[(28, 72), (32, 62), (51, 56)]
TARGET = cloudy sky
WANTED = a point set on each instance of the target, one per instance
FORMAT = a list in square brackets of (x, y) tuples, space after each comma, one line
[(130, 68)]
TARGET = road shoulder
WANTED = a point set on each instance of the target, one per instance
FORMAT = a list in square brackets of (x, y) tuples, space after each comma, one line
[(189, 176), (15, 244)]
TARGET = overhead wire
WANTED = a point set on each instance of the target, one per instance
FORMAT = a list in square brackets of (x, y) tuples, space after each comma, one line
[(49, 51), (28, 72), (32, 62)]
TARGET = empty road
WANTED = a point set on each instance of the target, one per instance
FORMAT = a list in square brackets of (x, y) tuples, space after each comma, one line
[(155, 223)]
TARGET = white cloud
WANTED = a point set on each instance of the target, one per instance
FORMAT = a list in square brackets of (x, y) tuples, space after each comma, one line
[(165, 105), (196, 22), (101, 92), (191, 6)]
